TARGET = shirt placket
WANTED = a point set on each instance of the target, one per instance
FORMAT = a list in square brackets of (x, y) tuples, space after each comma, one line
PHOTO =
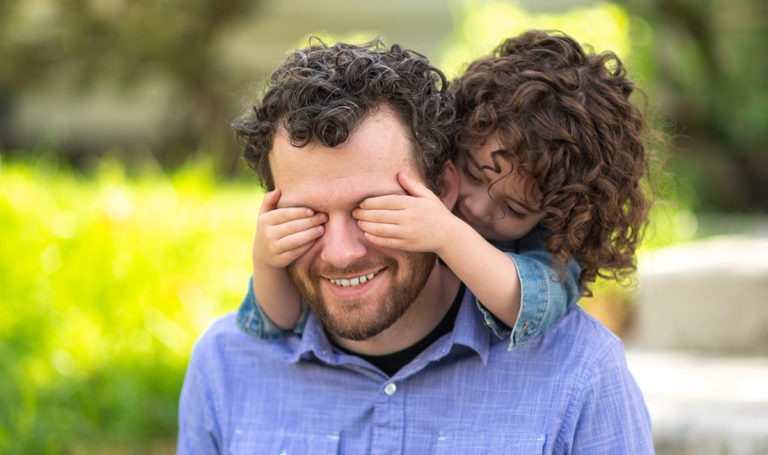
[(389, 419)]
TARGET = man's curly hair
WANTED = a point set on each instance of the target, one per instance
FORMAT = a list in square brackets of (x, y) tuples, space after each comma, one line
[(564, 118), (320, 94)]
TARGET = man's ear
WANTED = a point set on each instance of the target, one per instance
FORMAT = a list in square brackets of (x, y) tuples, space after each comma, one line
[(449, 185)]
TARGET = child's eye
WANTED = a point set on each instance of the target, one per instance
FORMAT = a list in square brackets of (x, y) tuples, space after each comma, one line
[(472, 177), (513, 211)]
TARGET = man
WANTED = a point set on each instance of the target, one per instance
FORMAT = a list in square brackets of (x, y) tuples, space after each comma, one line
[(401, 363)]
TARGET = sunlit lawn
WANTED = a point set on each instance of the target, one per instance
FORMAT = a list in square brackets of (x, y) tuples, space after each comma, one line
[(106, 282)]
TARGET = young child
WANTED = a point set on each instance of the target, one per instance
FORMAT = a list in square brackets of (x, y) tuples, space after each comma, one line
[(551, 155)]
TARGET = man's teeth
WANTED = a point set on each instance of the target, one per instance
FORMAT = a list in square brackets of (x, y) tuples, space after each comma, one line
[(354, 281)]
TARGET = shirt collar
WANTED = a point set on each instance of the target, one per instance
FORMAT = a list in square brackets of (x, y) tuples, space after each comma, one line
[(315, 342), (468, 330)]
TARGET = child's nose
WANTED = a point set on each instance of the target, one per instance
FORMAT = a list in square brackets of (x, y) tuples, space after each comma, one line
[(481, 206)]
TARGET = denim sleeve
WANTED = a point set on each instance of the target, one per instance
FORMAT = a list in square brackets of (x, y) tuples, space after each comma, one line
[(543, 297), (252, 320)]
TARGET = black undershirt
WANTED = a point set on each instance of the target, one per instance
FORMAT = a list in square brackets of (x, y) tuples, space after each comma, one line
[(391, 363)]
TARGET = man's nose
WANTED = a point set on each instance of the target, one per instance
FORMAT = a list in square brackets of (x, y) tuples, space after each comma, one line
[(343, 241)]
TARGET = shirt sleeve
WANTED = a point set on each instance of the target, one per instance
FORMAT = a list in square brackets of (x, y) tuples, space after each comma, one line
[(252, 319), (609, 416), (544, 296), (199, 431)]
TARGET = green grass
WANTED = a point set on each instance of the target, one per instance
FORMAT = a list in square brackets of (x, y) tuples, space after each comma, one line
[(106, 282)]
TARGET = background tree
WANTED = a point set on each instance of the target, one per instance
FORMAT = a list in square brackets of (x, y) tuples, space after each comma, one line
[(126, 42), (707, 65)]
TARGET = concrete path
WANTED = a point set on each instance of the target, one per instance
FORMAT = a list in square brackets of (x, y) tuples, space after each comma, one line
[(710, 295), (704, 404)]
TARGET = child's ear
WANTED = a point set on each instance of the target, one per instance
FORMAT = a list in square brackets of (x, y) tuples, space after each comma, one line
[(449, 185)]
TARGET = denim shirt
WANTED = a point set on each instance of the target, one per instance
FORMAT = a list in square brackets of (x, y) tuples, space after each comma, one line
[(544, 296)]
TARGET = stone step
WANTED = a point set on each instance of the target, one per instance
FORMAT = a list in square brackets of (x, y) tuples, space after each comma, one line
[(710, 295), (704, 404)]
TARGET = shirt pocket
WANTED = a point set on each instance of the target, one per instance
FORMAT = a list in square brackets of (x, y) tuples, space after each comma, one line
[(280, 442), (478, 443)]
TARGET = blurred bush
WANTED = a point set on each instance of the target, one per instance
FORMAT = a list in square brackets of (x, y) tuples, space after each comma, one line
[(106, 284), (704, 68), (481, 26), (165, 51), (162, 78)]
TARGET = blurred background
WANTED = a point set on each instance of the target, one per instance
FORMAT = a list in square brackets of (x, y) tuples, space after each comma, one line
[(127, 213)]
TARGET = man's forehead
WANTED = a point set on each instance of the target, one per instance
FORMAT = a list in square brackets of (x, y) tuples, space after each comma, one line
[(378, 140), (363, 166)]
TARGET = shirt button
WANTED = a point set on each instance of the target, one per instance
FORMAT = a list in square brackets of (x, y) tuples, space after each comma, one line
[(390, 389)]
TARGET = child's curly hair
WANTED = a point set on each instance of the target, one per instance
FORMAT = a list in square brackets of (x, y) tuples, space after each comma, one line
[(565, 119)]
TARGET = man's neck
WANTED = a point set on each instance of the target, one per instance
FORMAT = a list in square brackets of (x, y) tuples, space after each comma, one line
[(418, 321)]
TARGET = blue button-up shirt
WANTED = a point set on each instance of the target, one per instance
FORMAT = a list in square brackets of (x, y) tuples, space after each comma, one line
[(566, 391)]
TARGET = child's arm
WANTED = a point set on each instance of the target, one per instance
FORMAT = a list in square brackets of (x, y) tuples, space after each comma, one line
[(545, 295), (421, 222), (282, 235)]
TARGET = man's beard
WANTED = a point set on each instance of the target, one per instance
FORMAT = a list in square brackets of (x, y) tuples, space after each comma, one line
[(402, 292)]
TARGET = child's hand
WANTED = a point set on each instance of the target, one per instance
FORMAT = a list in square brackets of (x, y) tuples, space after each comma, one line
[(416, 222), (282, 235)]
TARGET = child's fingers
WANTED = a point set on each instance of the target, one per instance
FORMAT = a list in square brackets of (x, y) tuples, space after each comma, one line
[(388, 202), (269, 202), (285, 215), (380, 229), (281, 215), (297, 239), (296, 226), (413, 186), (285, 258), (292, 255), (385, 242), (376, 216)]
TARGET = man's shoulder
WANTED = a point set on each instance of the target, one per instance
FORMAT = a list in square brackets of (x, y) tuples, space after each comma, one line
[(579, 330), (577, 341), (220, 333), (221, 328), (579, 325), (224, 347), (223, 338)]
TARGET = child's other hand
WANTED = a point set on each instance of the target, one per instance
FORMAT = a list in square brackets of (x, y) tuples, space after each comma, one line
[(284, 234), (415, 222)]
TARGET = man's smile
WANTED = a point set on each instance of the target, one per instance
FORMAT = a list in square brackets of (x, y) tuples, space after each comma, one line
[(355, 286), (345, 282)]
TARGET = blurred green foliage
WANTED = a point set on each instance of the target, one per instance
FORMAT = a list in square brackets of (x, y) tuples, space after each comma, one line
[(480, 26), (106, 284), (122, 44), (705, 68), (174, 69)]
